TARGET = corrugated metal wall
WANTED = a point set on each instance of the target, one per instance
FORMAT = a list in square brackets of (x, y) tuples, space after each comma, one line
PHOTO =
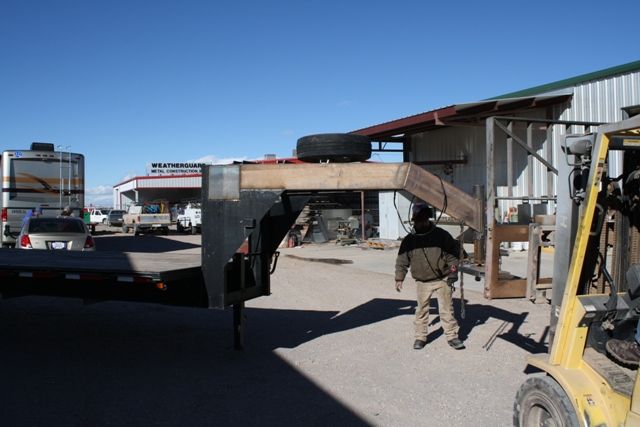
[(602, 101), (596, 101), (171, 182), (455, 142)]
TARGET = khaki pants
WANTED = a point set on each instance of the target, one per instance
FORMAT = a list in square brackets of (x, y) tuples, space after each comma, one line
[(445, 308)]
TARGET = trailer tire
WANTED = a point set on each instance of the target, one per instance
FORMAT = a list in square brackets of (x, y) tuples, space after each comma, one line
[(165, 231), (334, 147), (541, 399)]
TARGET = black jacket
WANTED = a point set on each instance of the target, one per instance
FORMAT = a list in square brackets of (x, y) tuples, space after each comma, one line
[(430, 255)]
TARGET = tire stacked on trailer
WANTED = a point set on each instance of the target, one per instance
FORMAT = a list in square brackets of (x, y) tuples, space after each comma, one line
[(334, 148)]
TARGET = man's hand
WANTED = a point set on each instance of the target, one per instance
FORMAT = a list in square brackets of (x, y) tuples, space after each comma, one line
[(398, 285)]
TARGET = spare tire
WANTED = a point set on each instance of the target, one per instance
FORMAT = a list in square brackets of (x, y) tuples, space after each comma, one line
[(334, 147)]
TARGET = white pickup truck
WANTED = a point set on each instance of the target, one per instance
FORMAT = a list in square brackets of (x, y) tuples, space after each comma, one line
[(97, 216), (147, 217), (189, 219)]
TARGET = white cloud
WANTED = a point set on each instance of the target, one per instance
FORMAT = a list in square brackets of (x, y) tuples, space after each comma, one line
[(99, 190), (100, 195), (103, 201)]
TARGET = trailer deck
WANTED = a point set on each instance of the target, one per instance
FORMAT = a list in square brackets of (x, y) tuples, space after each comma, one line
[(123, 266)]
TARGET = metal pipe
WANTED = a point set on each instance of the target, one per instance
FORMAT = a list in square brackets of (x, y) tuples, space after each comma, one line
[(552, 122), (524, 198)]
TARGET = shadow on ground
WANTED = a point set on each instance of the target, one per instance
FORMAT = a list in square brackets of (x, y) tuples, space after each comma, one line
[(508, 329), (116, 363)]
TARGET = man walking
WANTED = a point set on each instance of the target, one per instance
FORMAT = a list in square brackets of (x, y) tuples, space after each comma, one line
[(432, 254)]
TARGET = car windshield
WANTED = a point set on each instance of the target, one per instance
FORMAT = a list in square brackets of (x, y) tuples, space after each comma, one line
[(116, 213), (55, 225)]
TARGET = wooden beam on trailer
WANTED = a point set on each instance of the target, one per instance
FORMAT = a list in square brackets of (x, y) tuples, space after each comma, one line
[(366, 176)]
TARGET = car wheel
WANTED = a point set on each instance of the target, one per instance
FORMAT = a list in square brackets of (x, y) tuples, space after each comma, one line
[(334, 147), (104, 221)]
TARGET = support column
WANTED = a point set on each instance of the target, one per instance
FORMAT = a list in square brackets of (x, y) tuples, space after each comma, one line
[(491, 265)]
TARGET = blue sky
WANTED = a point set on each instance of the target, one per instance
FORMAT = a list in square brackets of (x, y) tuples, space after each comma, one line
[(131, 82)]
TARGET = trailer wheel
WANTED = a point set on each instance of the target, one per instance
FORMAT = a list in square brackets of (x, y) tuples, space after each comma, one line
[(165, 231), (541, 401), (333, 147)]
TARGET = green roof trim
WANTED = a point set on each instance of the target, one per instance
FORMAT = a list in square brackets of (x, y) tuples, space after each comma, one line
[(561, 84)]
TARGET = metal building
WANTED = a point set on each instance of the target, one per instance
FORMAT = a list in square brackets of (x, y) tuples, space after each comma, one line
[(141, 188), (453, 141)]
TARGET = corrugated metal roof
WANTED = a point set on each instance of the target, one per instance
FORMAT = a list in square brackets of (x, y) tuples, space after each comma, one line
[(464, 112), (547, 94)]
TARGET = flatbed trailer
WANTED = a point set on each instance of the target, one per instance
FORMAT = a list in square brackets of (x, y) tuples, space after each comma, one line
[(246, 212), (167, 278)]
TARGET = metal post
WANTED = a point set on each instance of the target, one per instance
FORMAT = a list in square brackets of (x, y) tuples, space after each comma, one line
[(362, 224), (480, 236), (550, 174), (61, 183), (69, 180), (490, 252), (510, 160), (530, 160)]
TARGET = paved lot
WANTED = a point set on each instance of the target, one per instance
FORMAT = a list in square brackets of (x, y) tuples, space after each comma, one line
[(330, 346)]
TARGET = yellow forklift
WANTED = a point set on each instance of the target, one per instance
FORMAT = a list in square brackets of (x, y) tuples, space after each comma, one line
[(580, 384)]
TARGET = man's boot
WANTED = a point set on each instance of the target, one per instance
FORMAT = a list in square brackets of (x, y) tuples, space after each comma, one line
[(625, 352)]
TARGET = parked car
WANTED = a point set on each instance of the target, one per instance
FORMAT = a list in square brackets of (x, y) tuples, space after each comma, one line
[(115, 217), (97, 216), (61, 233)]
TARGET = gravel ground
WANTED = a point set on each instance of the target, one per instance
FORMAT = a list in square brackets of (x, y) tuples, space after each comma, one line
[(360, 349), (332, 345)]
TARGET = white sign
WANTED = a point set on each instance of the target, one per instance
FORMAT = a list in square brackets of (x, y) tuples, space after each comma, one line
[(172, 168)]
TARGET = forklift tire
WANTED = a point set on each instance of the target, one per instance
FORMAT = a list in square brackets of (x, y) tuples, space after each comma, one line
[(334, 147), (542, 401)]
